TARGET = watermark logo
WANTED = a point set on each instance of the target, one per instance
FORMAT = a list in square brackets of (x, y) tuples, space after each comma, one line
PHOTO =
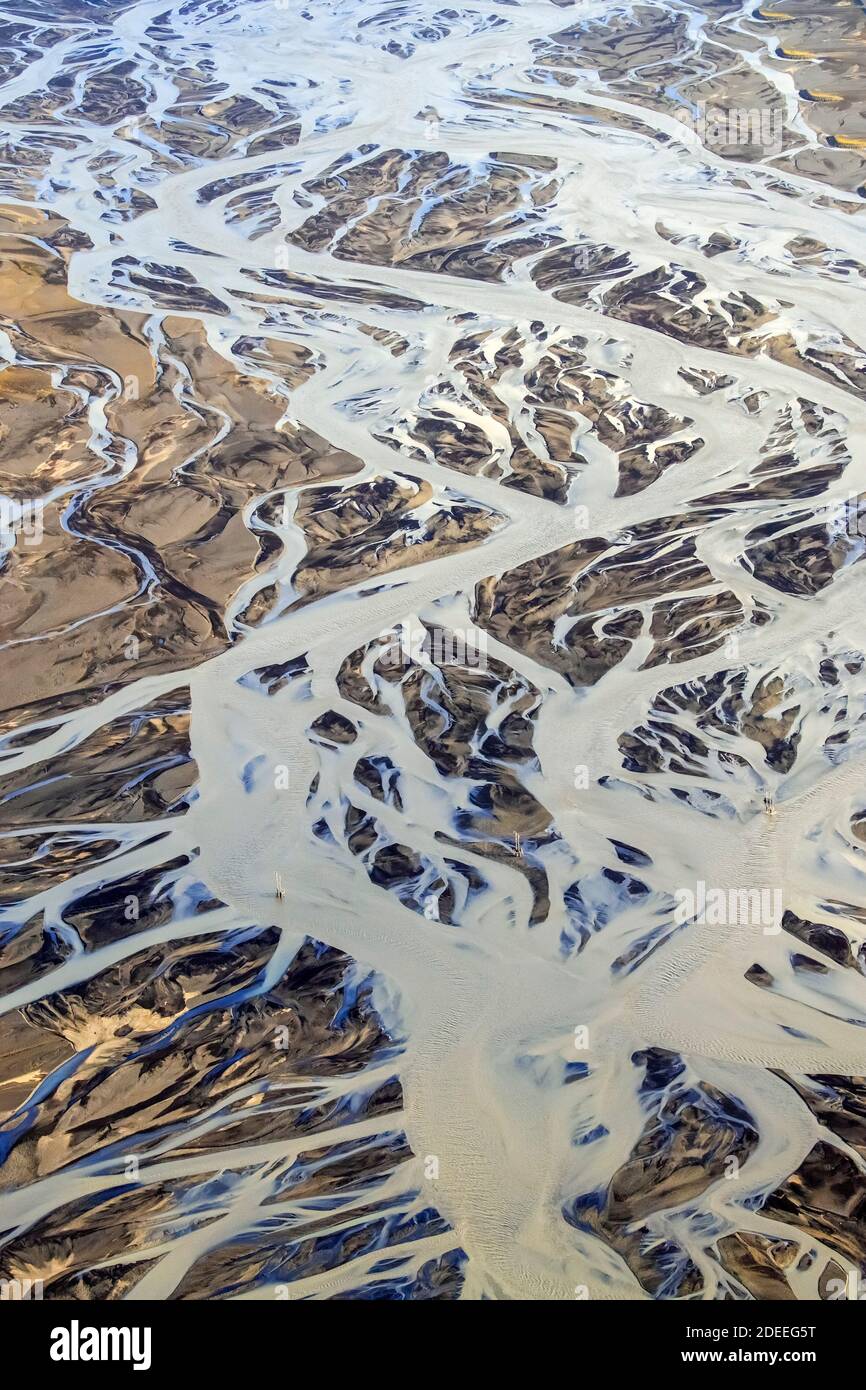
[(850, 1287), (732, 128), (753, 907), (848, 515), (20, 519), (77, 1343), (20, 1290), (405, 646)]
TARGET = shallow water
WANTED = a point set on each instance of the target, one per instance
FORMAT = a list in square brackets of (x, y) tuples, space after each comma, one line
[(432, 818)]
